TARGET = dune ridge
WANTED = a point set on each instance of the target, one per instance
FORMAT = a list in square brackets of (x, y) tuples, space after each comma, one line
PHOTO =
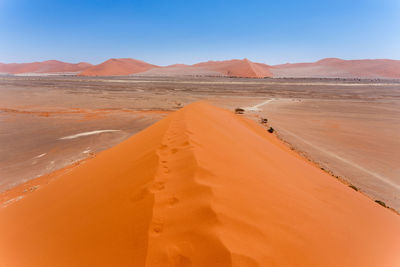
[(324, 68), (202, 187), (237, 68), (49, 66), (339, 68), (118, 67), (227, 68)]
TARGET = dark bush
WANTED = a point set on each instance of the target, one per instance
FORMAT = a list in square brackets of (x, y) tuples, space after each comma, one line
[(239, 110), (352, 186), (271, 130), (381, 203), (264, 121)]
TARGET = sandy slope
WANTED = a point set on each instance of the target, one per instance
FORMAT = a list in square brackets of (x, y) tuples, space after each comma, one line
[(325, 68), (179, 71), (202, 187), (231, 68), (237, 68), (334, 67), (49, 66), (115, 67)]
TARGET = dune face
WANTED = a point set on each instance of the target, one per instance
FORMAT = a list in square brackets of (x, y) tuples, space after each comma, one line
[(202, 187), (231, 68), (49, 66), (117, 67), (237, 68), (338, 68), (179, 71), (325, 68)]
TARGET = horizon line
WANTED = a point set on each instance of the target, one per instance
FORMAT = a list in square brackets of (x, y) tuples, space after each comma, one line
[(210, 60)]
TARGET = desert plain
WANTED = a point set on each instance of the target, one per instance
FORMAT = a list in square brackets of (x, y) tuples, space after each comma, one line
[(350, 127), (342, 138)]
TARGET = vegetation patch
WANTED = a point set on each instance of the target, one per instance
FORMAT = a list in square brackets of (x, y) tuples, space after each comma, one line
[(354, 187), (381, 203), (239, 110)]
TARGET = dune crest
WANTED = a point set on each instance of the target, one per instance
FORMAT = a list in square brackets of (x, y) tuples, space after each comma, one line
[(237, 68), (117, 67), (339, 68), (230, 68), (324, 68), (49, 66), (202, 187)]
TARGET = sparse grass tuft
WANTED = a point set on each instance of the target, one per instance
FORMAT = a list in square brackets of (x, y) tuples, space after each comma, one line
[(354, 187), (239, 110), (381, 203)]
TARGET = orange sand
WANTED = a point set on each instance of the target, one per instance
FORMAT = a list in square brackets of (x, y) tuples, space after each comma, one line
[(231, 68), (325, 68), (49, 66), (202, 187), (335, 67), (237, 68), (234, 68), (115, 67)]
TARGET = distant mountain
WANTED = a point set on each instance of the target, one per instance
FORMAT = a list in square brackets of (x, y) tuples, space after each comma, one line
[(49, 66), (117, 67), (339, 68)]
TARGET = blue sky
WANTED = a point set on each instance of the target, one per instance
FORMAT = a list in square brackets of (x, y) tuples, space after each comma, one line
[(183, 31)]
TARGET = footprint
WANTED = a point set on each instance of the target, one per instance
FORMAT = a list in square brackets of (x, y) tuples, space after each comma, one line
[(172, 201), (166, 169), (137, 196), (185, 143), (158, 226), (158, 186), (174, 150), (163, 147)]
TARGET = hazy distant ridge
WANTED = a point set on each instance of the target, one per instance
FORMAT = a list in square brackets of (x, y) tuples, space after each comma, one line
[(325, 68)]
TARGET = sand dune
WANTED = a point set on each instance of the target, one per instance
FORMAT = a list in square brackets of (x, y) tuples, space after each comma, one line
[(325, 68), (49, 66), (177, 71), (230, 68), (202, 187), (338, 68), (117, 67), (237, 68)]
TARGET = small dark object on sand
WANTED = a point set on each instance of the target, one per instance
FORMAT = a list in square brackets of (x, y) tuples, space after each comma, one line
[(264, 121), (352, 186), (381, 203), (239, 110), (271, 130)]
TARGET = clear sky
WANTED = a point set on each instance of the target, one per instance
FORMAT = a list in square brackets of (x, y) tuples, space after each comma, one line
[(184, 31)]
